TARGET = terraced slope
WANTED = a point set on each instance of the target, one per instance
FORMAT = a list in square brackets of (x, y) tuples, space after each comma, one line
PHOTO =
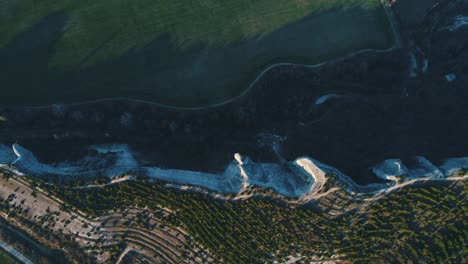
[(132, 229), (425, 222), (181, 53)]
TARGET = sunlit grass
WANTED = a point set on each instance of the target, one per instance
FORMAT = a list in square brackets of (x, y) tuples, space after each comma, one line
[(108, 28)]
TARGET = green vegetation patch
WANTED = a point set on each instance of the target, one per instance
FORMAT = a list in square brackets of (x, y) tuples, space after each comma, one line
[(133, 24), (422, 223), (204, 50), (6, 258)]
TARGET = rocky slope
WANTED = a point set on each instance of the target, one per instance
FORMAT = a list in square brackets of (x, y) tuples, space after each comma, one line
[(400, 104)]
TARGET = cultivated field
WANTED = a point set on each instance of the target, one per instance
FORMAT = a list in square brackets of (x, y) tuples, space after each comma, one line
[(144, 231), (181, 53), (140, 220)]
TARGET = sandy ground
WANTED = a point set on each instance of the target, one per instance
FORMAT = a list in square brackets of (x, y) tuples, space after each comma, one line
[(163, 241), (48, 209), (317, 174)]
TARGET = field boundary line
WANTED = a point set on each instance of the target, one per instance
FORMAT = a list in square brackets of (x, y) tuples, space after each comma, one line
[(398, 43)]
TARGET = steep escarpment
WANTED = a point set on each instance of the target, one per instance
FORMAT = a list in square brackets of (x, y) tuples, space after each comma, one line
[(352, 113), (304, 179)]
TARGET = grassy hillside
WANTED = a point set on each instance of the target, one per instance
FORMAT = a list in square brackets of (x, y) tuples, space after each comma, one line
[(127, 24), (188, 53)]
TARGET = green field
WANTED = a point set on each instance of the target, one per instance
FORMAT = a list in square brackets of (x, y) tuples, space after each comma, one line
[(186, 53)]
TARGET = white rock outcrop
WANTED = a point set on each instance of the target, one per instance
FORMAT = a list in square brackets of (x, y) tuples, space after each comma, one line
[(424, 168), (303, 178), (458, 22), (453, 165), (390, 169)]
